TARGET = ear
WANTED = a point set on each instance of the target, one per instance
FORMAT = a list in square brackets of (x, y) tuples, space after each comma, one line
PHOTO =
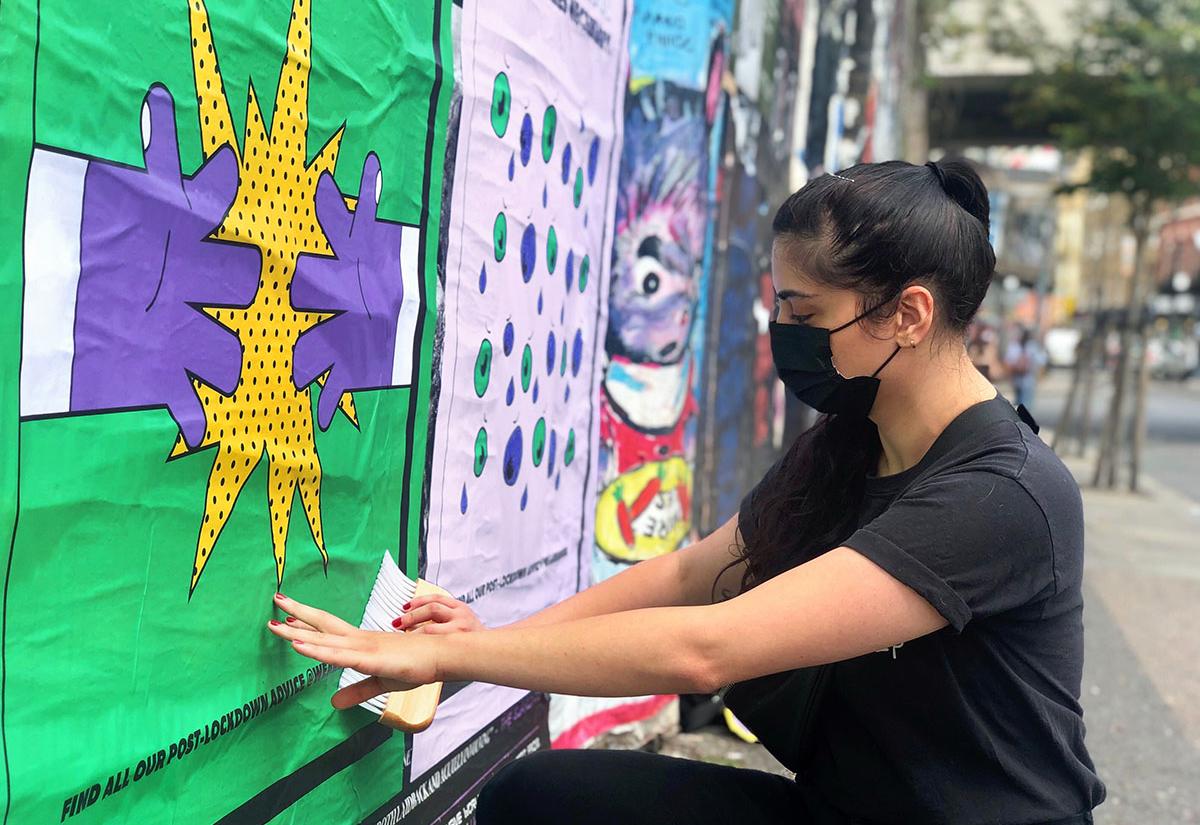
[(914, 316)]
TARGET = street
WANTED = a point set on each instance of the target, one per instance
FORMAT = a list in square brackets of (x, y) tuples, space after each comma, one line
[(1172, 426)]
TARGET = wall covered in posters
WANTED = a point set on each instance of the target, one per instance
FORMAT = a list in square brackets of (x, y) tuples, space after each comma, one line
[(741, 428), (287, 284)]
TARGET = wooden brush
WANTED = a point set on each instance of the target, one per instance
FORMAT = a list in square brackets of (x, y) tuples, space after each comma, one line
[(407, 710)]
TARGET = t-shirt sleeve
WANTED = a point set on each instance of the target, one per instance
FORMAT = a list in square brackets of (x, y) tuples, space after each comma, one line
[(972, 544)]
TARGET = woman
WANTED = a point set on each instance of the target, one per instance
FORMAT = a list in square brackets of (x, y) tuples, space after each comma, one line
[(919, 536), (1025, 360)]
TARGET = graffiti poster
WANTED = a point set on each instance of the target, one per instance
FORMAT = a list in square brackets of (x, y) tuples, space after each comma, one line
[(514, 460), (218, 292), (653, 336), (654, 339)]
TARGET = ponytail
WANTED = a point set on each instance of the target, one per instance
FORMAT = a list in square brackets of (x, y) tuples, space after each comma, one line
[(807, 502)]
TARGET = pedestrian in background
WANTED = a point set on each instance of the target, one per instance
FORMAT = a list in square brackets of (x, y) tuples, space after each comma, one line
[(1025, 360)]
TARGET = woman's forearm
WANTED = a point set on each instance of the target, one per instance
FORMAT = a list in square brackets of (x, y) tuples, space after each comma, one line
[(682, 577), (629, 653), (651, 583)]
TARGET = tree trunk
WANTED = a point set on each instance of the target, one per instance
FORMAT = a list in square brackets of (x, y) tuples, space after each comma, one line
[(1139, 404), (1065, 428), (1110, 448), (915, 112), (1094, 351)]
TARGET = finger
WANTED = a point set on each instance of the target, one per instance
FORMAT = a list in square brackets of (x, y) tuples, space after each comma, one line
[(434, 611), (297, 634), (336, 656), (324, 285), (331, 396), (359, 692), (294, 622), (312, 354), (332, 214), (185, 407), (369, 188), (212, 189), (230, 273), (215, 353), (159, 142), (319, 619), (449, 601)]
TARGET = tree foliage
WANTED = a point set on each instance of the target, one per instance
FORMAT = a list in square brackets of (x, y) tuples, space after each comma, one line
[(1125, 84)]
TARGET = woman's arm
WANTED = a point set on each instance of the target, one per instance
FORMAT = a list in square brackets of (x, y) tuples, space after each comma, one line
[(683, 577), (837, 606)]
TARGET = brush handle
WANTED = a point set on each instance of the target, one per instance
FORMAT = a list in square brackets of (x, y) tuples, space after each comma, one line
[(413, 710)]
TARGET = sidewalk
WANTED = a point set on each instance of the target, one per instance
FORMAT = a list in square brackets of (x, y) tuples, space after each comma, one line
[(1141, 684)]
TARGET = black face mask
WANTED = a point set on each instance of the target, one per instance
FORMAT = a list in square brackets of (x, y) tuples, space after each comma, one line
[(804, 361)]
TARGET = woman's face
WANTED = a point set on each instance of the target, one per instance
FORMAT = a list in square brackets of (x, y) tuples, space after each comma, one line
[(858, 349)]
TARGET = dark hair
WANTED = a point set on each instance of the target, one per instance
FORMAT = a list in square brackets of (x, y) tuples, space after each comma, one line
[(874, 228)]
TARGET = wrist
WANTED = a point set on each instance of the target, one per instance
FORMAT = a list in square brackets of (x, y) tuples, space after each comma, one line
[(450, 655)]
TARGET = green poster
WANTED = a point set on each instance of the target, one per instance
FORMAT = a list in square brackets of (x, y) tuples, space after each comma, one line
[(217, 280)]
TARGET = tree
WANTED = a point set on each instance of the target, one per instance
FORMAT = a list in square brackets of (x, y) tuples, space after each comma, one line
[(1127, 91)]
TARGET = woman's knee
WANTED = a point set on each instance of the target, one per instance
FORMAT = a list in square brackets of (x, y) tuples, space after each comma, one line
[(512, 794)]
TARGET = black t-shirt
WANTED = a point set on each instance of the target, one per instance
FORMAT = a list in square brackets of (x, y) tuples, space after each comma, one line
[(978, 723)]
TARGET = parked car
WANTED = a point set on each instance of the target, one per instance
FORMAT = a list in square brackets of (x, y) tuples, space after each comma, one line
[(1060, 344), (1173, 358)]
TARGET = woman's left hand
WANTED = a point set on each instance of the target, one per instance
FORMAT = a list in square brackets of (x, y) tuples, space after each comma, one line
[(393, 661)]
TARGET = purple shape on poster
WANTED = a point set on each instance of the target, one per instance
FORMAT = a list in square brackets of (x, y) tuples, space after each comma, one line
[(512, 457), (566, 163), (577, 353), (593, 159), (362, 284), (146, 266), (482, 279), (528, 252), (550, 351), (526, 139), (509, 335)]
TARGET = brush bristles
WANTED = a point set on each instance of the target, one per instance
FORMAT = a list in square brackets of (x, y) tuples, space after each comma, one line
[(391, 591)]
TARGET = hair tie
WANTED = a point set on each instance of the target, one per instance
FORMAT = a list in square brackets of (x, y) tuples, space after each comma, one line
[(941, 175)]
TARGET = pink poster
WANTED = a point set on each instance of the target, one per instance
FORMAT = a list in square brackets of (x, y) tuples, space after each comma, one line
[(513, 475)]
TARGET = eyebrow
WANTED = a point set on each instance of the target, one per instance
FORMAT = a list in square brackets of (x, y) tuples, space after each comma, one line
[(788, 294)]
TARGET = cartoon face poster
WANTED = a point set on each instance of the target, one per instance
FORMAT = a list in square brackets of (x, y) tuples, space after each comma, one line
[(217, 285)]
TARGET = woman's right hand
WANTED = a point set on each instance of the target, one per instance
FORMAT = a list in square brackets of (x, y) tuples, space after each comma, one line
[(436, 614)]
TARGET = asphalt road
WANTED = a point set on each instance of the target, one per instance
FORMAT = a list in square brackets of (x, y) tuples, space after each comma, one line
[(1172, 454)]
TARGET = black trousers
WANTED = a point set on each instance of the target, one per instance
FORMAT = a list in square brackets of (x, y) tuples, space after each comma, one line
[(586, 787)]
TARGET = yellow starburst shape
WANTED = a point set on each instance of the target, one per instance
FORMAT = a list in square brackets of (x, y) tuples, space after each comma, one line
[(274, 210)]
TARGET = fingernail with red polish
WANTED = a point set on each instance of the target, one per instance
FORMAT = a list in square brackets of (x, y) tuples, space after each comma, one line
[(280, 596), (274, 623), (407, 605), (289, 620), (398, 621)]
